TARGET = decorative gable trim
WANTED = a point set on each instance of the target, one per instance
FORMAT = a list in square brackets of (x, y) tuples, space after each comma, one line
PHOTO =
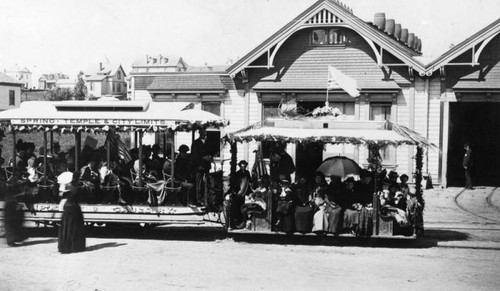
[(324, 17)]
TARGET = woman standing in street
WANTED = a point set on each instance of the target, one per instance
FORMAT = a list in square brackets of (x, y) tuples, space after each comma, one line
[(71, 230)]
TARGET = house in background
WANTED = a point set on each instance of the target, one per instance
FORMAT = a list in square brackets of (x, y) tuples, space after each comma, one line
[(22, 74), (106, 80), (66, 83), (10, 92), (144, 71), (48, 81)]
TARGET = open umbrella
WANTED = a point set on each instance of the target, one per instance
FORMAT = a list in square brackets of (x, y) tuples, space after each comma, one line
[(340, 167)]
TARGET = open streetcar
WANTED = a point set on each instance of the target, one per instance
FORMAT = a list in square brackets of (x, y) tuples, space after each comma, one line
[(120, 193), (164, 201), (373, 218)]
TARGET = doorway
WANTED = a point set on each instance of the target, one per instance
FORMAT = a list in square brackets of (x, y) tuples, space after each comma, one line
[(479, 125)]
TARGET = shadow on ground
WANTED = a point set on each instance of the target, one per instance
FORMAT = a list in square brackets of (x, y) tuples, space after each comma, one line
[(431, 239), (103, 245)]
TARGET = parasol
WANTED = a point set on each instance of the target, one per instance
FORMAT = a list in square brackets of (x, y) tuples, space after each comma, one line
[(340, 167)]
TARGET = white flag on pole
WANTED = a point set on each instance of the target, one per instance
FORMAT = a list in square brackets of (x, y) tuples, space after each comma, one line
[(339, 80)]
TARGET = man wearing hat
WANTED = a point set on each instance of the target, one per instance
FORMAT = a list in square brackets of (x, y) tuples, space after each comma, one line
[(239, 190), (183, 172), (467, 164)]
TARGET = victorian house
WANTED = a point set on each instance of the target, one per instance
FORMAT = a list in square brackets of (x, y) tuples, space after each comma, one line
[(452, 100)]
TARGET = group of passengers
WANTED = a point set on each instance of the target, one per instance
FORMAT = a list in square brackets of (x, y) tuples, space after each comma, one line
[(315, 205), (104, 182)]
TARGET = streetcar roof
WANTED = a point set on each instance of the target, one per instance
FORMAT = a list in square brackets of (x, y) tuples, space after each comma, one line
[(102, 115), (331, 131)]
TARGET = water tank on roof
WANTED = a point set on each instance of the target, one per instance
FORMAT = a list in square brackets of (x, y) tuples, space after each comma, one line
[(404, 35), (379, 20), (397, 31), (415, 43), (411, 39), (419, 47), (389, 26)]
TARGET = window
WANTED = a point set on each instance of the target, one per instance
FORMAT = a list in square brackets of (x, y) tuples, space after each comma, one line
[(347, 108), (212, 107), (92, 86), (12, 97), (119, 75), (380, 112), (327, 36), (213, 135)]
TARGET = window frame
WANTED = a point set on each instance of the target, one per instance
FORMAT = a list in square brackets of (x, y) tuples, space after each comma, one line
[(340, 40), (389, 151), (12, 97)]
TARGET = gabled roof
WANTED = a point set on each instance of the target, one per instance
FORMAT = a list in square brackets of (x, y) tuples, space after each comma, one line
[(5, 79), (367, 30), (484, 35), (95, 78), (188, 83)]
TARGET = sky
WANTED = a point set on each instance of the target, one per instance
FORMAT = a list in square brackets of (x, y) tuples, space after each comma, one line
[(49, 36)]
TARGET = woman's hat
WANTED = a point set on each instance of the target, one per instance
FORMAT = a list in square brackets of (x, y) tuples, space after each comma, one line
[(183, 148), (243, 162), (393, 174)]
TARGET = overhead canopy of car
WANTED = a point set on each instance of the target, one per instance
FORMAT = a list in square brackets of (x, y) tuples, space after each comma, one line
[(96, 116)]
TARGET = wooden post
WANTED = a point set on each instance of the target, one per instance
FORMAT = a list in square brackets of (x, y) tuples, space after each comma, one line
[(45, 154), (78, 142), (14, 152), (108, 151), (172, 154), (165, 145), (51, 143), (140, 159)]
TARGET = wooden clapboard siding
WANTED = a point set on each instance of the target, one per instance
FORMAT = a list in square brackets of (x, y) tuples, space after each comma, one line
[(434, 125), (298, 65), (403, 115)]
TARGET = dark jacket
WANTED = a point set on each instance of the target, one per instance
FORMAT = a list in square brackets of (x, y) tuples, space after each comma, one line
[(198, 152), (467, 162)]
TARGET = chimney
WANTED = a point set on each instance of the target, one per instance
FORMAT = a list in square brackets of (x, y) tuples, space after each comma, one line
[(379, 20), (404, 35), (397, 31), (100, 67), (389, 26)]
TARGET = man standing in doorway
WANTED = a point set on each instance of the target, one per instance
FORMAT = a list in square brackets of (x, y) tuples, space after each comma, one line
[(200, 161), (467, 164)]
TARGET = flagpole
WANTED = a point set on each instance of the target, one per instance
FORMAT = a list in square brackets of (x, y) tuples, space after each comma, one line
[(326, 102)]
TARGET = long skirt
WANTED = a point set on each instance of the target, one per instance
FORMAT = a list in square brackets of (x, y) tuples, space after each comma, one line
[(334, 220), (351, 219), (13, 222), (320, 221), (304, 218), (71, 231)]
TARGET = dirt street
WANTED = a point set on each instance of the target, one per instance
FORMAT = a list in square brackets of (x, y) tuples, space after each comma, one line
[(461, 251)]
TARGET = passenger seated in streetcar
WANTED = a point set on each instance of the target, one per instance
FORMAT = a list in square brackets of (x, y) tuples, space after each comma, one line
[(89, 180), (255, 202), (365, 188), (182, 168), (109, 183), (403, 185), (304, 206), (32, 170), (349, 204), (146, 177), (285, 206)]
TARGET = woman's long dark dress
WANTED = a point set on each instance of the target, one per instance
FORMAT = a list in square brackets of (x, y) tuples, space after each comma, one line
[(71, 231), (13, 222), (304, 211)]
